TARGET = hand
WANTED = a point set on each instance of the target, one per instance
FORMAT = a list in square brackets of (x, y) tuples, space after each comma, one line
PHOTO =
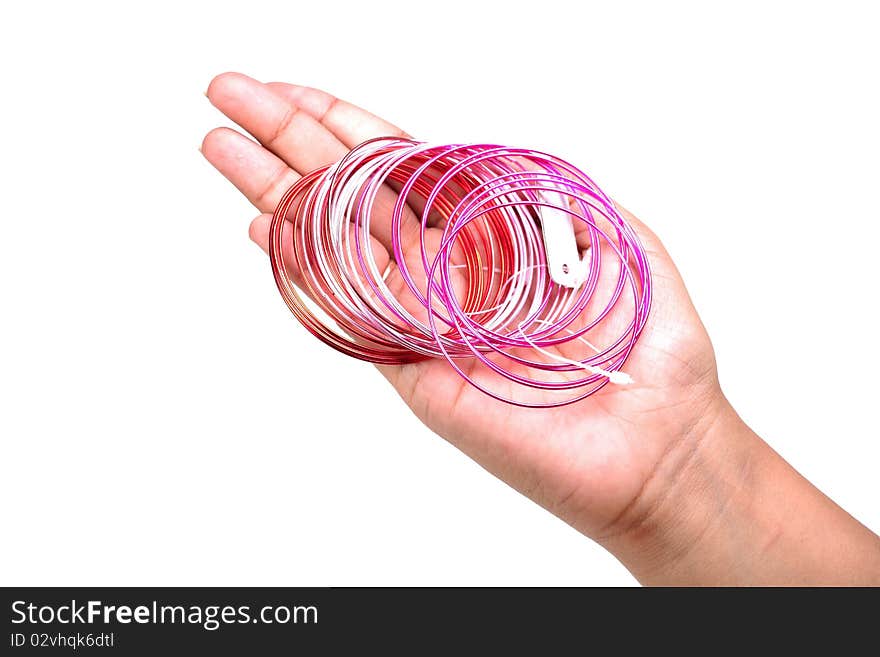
[(617, 465)]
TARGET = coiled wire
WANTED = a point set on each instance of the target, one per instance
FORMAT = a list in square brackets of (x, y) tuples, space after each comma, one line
[(471, 280)]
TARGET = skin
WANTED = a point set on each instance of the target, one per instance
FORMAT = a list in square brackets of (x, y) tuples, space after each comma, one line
[(663, 473)]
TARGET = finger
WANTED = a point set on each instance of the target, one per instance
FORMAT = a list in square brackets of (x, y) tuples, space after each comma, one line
[(298, 139), (397, 286), (258, 174), (649, 239), (283, 128), (349, 123), (259, 233)]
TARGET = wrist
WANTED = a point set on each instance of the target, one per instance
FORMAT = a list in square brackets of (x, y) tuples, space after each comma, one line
[(699, 495), (724, 508)]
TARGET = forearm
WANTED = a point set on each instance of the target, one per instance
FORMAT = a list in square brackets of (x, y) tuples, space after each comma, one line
[(736, 513)]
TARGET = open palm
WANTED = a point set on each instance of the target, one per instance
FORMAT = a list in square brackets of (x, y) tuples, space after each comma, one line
[(601, 464)]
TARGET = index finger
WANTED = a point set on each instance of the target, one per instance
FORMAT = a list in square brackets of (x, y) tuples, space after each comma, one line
[(349, 123)]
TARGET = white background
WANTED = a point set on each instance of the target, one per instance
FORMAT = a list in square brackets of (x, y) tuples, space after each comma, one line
[(166, 421)]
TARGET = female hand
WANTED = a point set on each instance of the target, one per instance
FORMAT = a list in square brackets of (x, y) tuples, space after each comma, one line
[(652, 470)]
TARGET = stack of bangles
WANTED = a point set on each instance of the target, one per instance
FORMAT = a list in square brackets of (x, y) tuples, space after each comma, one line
[(510, 264)]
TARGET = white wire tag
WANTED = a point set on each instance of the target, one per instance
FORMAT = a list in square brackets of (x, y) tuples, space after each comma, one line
[(566, 264)]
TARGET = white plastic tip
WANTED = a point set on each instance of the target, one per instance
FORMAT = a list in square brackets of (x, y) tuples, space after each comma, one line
[(620, 378)]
